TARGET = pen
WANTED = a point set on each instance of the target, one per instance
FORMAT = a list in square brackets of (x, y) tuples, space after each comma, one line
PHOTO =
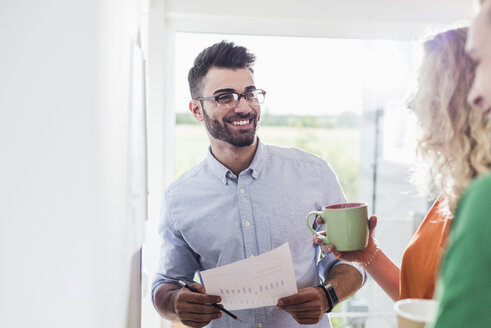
[(183, 284)]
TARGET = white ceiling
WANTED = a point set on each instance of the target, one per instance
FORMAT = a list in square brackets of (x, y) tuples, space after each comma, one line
[(398, 19)]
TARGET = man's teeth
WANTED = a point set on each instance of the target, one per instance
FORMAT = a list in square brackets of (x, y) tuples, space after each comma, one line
[(245, 122)]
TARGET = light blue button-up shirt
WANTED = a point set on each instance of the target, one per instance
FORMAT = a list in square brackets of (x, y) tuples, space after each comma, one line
[(211, 217)]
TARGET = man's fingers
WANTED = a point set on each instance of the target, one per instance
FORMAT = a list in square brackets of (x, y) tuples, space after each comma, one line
[(199, 315), (305, 307), (305, 301), (199, 287), (199, 298), (311, 304), (197, 324), (300, 308), (294, 299), (195, 308), (307, 321), (307, 317)]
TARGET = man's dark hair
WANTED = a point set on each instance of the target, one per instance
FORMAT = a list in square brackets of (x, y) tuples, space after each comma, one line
[(223, 55)]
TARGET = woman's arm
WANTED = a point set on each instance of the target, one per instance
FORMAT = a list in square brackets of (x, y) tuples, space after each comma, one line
[(373, 260), (385, 273)]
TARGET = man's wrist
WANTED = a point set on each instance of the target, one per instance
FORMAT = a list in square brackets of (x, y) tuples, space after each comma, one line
[(166, 298), (331, 296)]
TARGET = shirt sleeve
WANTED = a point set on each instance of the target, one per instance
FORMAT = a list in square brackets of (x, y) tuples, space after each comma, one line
[(177, 261), (465, 277)]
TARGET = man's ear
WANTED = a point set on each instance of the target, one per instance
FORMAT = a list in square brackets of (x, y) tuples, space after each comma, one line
[(196, 110)]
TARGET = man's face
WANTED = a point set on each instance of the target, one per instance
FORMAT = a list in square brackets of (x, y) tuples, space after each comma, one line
[(479, 49), (235, 126)]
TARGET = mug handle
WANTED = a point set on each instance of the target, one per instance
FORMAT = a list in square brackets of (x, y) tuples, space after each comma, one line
[(324, 238)]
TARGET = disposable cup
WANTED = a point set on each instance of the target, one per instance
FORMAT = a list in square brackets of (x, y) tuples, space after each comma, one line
[(415, 312)]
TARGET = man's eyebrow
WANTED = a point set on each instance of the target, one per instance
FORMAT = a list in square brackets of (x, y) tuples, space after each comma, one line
[(223, 90), (248, 88)]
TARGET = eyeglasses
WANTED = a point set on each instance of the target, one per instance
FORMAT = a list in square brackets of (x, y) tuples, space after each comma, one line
[(231, 99)]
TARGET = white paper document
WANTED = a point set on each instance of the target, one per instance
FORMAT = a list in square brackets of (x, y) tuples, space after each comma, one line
[(254, 282)]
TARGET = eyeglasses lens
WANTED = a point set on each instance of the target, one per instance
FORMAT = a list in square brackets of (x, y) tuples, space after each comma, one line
[(231, 99)]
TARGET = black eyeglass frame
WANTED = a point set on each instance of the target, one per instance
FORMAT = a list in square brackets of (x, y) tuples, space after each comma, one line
[(236, 96)]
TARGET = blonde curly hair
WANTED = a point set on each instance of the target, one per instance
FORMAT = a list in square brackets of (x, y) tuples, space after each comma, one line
[(455, 138)]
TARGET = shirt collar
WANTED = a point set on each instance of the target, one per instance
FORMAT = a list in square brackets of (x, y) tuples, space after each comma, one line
[(258, 161), (224, 174)]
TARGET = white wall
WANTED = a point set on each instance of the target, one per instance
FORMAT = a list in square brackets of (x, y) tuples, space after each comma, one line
[(160, 145), (65, 256)]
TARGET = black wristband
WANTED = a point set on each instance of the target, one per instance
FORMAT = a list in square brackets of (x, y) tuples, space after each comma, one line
[(331, 296)]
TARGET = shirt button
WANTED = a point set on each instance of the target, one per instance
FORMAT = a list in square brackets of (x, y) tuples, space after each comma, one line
[(229, 175), (260, 325), (247, 223), (242, 191), (223, 180), (252, 256)]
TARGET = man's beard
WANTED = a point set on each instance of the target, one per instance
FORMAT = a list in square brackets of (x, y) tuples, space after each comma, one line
[(241, 138)]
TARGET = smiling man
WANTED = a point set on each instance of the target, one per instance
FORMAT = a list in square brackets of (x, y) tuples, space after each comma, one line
[(244, 199)]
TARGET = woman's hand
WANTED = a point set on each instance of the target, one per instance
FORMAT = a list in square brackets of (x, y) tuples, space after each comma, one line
[(360, 256)]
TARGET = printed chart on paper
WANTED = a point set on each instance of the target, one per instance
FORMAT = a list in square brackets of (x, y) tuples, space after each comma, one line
[(254, 282)]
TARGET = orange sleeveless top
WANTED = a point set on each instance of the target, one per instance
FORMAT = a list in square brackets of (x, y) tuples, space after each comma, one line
[(421, 259)]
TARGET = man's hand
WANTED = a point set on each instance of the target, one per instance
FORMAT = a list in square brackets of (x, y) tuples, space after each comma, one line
[(306, 307), (192, 309)]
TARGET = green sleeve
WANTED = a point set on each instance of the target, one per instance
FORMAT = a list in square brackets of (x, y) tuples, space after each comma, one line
[(464, 287)]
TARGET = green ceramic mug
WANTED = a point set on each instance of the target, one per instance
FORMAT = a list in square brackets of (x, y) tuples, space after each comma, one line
[(346, 225)]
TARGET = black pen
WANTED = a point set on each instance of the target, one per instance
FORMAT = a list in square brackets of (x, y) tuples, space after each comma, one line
[(183, 284)]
